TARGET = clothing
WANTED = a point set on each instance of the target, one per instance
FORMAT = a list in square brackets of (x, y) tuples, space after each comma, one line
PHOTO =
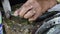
[(55, 8)]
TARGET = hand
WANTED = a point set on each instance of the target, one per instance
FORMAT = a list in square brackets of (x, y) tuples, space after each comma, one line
[(32, 9)]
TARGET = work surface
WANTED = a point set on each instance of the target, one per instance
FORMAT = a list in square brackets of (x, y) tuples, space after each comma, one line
[(17, 25)]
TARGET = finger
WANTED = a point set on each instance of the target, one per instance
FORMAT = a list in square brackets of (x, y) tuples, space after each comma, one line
[(24, 10), (37, 14), (34, 17), (29, 14), (16, 12)]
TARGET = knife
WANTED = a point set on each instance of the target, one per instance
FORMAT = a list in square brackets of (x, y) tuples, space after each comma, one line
[(6, 7)]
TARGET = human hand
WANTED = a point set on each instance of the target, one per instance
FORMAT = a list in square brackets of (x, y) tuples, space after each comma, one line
[(32, 9)]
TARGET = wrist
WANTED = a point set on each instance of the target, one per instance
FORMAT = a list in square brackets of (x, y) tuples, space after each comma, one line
[(48, 4)]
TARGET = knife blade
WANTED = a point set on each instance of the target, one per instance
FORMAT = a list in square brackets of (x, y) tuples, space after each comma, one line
[(6, 7)]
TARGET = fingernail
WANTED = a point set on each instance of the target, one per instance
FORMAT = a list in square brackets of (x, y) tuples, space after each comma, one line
[(15, 13), (31, 20)]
